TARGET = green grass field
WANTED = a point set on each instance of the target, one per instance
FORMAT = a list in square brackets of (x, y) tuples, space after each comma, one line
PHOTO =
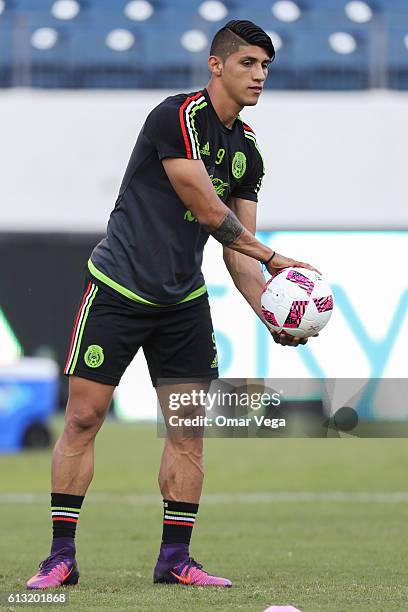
[(318, 524)]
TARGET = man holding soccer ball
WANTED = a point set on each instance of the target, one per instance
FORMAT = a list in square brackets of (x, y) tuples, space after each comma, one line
[(195, 171)]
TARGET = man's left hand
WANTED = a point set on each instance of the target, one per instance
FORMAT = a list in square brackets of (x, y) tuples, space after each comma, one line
[(285, 339)]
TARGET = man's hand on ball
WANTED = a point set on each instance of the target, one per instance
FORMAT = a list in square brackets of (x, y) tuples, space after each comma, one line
[(279, 262), (285, 339)]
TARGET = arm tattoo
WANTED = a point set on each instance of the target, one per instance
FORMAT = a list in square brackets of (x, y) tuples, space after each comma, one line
[(229, 230)]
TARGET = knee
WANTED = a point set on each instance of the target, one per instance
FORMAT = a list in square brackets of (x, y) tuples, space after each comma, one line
[(84, 417)]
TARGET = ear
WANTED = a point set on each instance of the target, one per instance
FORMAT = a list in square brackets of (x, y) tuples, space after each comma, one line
[(215, 65)]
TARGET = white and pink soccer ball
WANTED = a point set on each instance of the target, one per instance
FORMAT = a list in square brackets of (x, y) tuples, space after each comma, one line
[(297, 301)]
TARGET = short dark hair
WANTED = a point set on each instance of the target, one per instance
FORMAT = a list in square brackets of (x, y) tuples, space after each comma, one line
[(240, 32)]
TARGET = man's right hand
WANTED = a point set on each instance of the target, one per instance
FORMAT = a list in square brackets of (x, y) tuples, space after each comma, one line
[(279, 262)]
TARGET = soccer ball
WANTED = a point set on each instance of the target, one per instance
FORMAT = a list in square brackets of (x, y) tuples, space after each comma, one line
[(297, 301)]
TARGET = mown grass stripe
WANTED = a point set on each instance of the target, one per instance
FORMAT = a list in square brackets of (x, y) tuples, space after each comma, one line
[(260, 497)]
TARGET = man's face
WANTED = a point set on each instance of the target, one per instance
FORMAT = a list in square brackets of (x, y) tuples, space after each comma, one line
[(244, 73)]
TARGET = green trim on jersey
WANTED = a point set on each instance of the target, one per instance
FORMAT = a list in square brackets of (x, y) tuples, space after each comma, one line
[(251, 136), (192, 120), (137, 298), (253, 139)]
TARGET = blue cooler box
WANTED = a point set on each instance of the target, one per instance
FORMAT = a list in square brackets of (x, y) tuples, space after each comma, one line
[(28, 396)]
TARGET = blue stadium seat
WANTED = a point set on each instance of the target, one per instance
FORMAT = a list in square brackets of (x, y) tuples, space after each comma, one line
[(318, 66), (392, 6), (329, 5), (33, 5), (28, 23), (397, 58), (6, 52), (157, 58), (91, 61)]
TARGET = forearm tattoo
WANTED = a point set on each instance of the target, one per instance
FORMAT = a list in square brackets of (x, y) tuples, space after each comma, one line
[(229, 230)]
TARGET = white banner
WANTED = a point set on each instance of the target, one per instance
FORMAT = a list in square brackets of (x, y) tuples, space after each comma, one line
[(333, 160), (365, 338)]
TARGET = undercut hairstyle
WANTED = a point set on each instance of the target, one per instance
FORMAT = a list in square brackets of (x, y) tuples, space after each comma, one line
[(240, 32)]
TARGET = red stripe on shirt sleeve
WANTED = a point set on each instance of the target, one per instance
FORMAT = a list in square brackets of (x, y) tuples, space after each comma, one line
[(183, 123), (246, 126)]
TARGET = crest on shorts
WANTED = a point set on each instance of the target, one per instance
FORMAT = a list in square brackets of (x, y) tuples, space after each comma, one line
[(239, 165), (94, 356)]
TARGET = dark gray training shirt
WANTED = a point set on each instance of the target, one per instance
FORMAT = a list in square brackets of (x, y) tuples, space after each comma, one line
[(153, 249)]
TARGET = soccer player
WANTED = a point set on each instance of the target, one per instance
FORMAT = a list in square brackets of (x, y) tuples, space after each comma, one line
[(195, 171)]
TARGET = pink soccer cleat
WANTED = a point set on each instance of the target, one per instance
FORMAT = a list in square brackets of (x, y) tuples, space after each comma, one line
[(59, 569), (190, 572)]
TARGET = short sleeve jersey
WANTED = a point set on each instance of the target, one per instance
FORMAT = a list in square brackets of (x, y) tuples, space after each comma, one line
[(153, 249)]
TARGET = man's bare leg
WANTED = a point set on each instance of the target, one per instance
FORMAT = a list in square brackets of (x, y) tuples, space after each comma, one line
[(181, 478), (73, 456), (181, 472), (71, 473)]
